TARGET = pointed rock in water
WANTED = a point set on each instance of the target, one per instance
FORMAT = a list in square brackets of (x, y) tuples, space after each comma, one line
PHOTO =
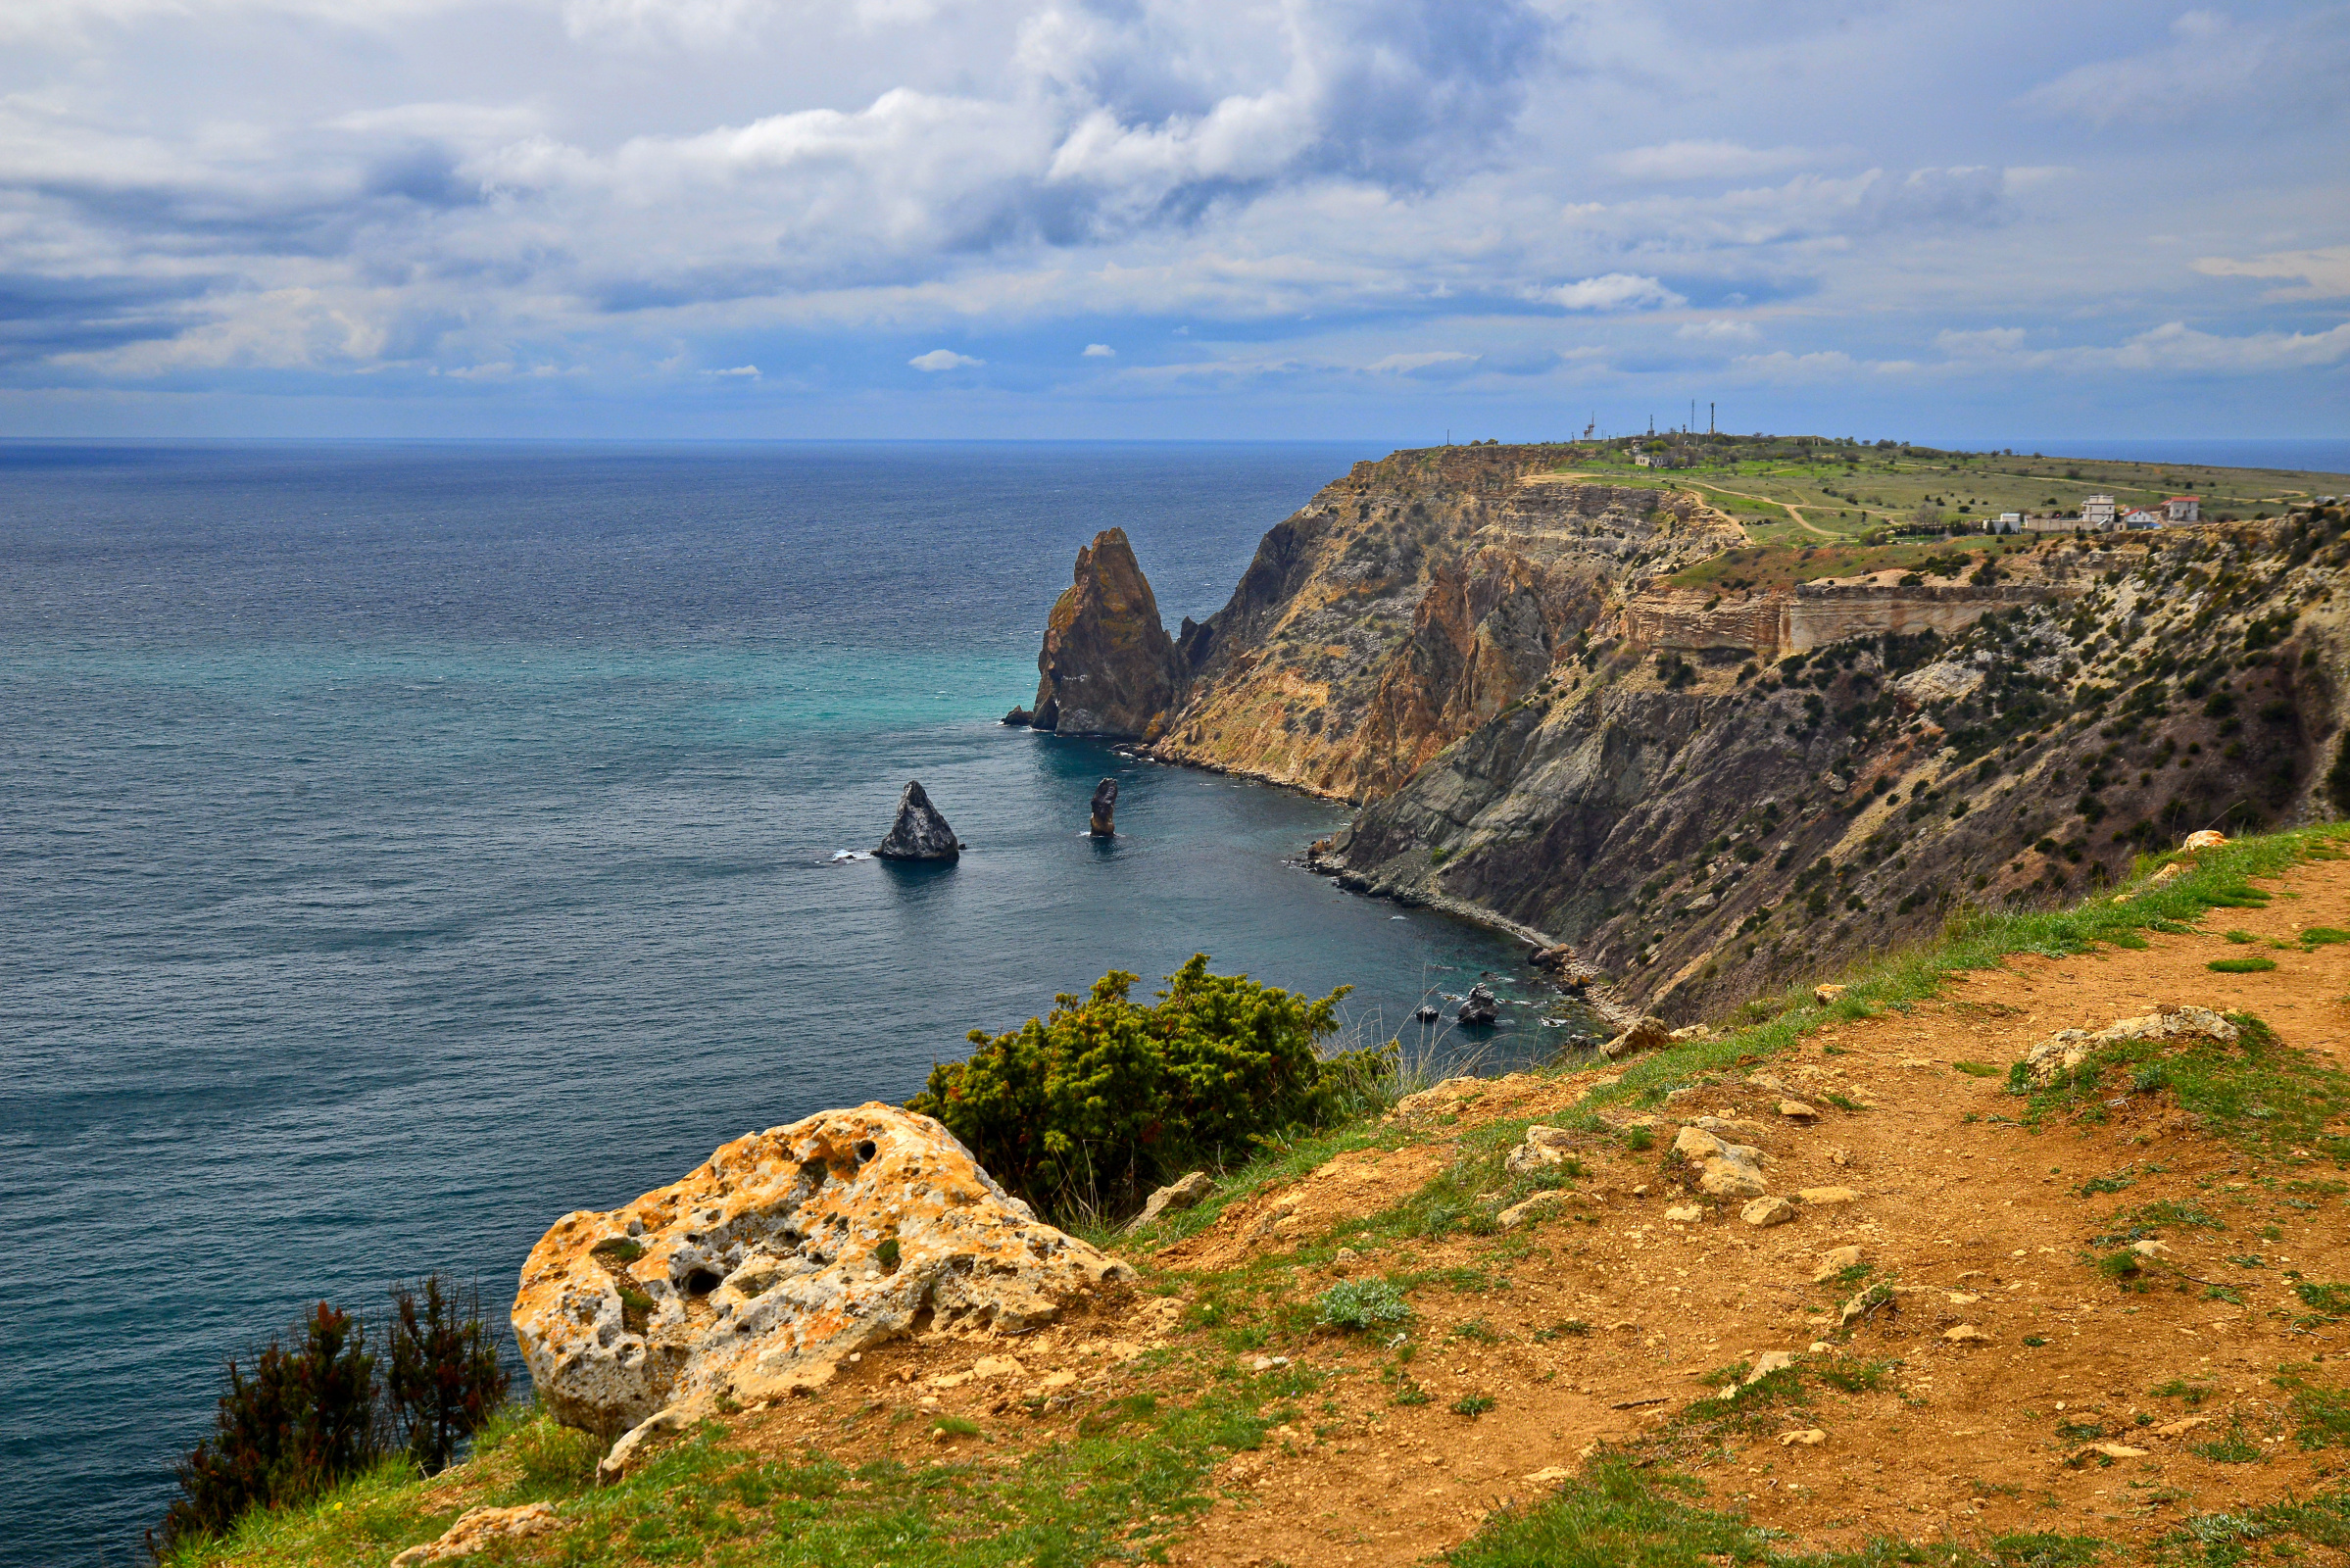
[(1105, 802), (1480, 1005), (919, 833), (1107, 667)]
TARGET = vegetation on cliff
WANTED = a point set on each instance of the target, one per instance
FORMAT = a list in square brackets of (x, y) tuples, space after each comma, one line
[(1084, 1110)]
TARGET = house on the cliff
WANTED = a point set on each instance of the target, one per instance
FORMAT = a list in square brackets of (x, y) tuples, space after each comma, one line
[(2183, 509)]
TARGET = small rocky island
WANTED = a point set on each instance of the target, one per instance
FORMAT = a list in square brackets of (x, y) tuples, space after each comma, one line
[(919, 833)]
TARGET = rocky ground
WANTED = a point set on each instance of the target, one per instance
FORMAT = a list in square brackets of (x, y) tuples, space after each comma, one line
[(2100, 1318)]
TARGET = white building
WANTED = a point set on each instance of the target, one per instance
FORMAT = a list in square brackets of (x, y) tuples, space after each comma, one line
[(2142, 517), (2183, 509), (2098, 511)]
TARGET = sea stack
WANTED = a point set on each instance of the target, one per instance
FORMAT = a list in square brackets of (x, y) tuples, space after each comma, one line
[(919, 833), (1107, 667), (1105, 802)]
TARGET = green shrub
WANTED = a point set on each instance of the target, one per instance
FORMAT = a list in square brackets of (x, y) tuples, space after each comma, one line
[(1358, 1305), (441, 1377), (1103, 1100), (292, 1424)]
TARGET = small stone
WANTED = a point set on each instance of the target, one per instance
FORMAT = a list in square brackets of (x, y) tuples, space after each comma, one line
[(1341, 1262), (1685, 1212), (1834, 1262), (1185, 1194), (1824, 995), (2119, 1450), (1533, 1208), (1768, 1211), (2180, 1427), (1648, 1034), (1641, 1190), (1810, 1438), (1967, 1334), (1827, 1196), (476, 1529), (1543, 1147), (2150, 1248), (1548, 1476), (1797, 1111), (1767, 1362)]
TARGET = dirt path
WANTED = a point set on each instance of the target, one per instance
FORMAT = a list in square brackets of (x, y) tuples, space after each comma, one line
[(1792, 509), (1978, 1221)]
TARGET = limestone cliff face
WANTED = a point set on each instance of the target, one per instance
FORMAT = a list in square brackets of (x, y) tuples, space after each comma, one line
[(1703, 833), (1108, 667), (1409, 603)]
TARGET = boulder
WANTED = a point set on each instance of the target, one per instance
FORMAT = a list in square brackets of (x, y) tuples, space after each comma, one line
[(2204, 839), (1724, 1170), (1824, 995), (478, 1529), (1648, 1034), (1107, 666), (1834, 1262), (1765, 1211), (1185, 1194), (1539, 1206), (2067, 1049), (1427, 1013), (1480, 1005), (920, 833), (1105, 805), (1019, 715), (784, 1253)]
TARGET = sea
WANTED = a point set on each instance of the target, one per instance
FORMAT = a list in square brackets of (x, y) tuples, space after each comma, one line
[(405, 844)]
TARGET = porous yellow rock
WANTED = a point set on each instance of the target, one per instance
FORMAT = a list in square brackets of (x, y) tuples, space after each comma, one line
[(784, 1253)]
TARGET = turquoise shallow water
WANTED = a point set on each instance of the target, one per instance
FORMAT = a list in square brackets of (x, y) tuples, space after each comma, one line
[(408, 845)]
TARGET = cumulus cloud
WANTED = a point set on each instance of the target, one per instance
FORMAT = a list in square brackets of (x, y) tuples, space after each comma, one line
[(1614, 291), (942, 359), (747, 371), (1100, 350)]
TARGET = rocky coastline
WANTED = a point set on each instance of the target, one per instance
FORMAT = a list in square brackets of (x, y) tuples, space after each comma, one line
[(1683, 799)]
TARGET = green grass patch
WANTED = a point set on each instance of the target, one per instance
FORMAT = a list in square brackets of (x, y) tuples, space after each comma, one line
[(1616, 1515), (2322, 1410), (1360, 1305), (1472, 1405), (2231, 1446), (1976, 1069), (2257, 1093), (2319, 936), (2254, 964), (2331, 1300)]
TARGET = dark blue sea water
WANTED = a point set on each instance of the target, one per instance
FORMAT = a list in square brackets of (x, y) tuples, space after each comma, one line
[(406, 844)]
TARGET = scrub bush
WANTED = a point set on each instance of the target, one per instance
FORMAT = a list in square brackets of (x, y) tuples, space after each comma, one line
[(1089, 1108)]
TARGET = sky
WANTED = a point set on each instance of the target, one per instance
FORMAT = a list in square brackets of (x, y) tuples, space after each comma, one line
[(1172, 219)]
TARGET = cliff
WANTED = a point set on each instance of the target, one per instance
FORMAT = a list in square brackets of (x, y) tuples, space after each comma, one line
[(1107, 667), (1701, 833), (1407, 603)]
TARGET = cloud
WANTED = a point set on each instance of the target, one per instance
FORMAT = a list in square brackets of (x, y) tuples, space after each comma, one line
[(942, 359), (1100, 350), (1436, 363), (1718, 331), (2211, 66), (2324, 274), (1615, 291), (1703, 160), (749, 372), (1975, 344)]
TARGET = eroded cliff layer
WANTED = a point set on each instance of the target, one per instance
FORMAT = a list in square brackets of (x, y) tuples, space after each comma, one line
[(1409, 603), (1701, 831)]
